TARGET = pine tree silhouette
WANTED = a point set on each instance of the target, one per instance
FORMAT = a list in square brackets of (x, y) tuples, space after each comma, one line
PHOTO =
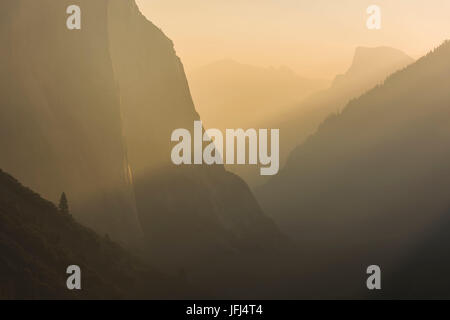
[(63, 204)]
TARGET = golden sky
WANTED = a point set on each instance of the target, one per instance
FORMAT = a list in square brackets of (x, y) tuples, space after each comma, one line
[(316, 38)]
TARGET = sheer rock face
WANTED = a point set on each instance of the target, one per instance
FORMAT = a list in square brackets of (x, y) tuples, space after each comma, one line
[(60, 111), (83, 109), (195, 212)]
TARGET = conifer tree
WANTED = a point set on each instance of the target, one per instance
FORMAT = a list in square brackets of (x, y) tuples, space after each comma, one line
[(63, 204)]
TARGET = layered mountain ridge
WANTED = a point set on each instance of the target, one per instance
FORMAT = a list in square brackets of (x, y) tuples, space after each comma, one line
[(371, 186), (90, 112), (369, 67), (229, 94)]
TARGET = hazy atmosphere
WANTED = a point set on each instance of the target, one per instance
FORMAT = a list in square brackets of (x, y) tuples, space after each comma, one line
[(233, 149), (314, 38)]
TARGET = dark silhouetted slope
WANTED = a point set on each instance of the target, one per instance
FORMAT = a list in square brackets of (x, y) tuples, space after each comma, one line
[(370, 67), (38, 243), (423, 273), (90, 112), (374, 180)]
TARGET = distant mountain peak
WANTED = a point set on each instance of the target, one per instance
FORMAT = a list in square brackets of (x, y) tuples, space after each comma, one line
[(373, 60), (366, 56)]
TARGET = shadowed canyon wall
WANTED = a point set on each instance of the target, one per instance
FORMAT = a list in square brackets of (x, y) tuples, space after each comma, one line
[(60, 112), (90, 112)]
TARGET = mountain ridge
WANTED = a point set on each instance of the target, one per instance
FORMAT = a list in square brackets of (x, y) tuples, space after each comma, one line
[(381, 164), (303, 119), (93, 114), (38, 243)]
